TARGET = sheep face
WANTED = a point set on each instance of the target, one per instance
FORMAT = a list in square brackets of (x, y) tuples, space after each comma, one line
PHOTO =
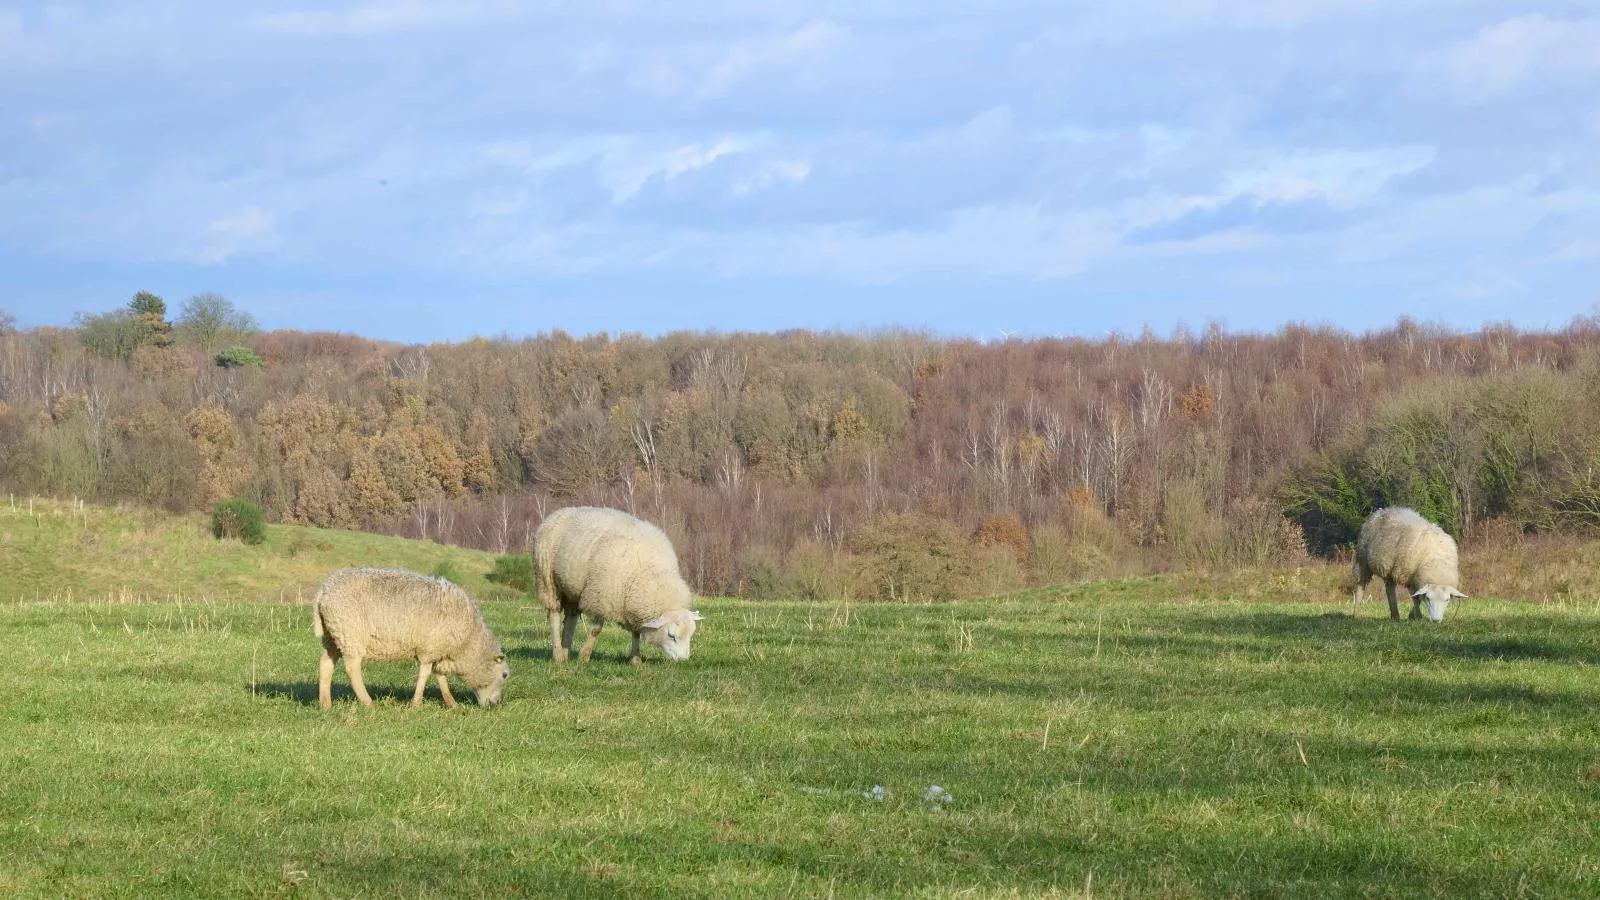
[(489, 694), (1436, 600), (672, 633)]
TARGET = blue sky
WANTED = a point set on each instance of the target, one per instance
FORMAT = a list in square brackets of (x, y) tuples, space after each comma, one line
[(433, 169)]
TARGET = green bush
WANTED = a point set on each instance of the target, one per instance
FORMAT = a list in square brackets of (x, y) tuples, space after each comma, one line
[(240, 357), (238, 520), (1459, 452), (112, 335), (513, 571)]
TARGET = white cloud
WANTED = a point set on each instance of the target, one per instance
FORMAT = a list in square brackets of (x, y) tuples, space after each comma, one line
[(1516, 53), (1344, 178), (1577, 250), (782, 172), (623, 163), (745, 59), (250, 228), (382, 18), (697, 156), (703, 70), (989, 127), (1491, 218), (1128, 19), (868, 141)]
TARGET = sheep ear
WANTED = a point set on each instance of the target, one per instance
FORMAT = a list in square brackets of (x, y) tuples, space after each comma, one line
[(654, 623), (1420, 592), (695, 616), (1456, 593)]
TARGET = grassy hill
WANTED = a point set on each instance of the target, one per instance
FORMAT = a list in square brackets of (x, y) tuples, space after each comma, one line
[(1127, 738), (64, 552)]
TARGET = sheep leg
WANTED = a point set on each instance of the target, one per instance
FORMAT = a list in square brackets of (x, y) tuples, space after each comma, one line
[(558, 650), (1363, 575), (352, 667), (423, 672), (1394, 605), (444, 691), (588, 646), (569, 627), (325, 680), (1416, 608), (633, 655)]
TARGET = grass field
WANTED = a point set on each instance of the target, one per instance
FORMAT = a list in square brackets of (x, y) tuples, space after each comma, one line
[(1112, 739)]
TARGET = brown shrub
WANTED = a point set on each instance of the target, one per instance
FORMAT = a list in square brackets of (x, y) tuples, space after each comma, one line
[(1197, 402), (70, 406), (152, 363), (1260, 535), (1196, 536), (911, 557), (1005, 530)]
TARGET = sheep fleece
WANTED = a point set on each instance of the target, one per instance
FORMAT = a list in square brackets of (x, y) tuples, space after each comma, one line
[(608, 565), (1399, 545), (389, 614)]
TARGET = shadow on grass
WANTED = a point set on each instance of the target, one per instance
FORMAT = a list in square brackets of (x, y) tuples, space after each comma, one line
[(530, 653), (602, 657), (305, 693), (1466, 640)]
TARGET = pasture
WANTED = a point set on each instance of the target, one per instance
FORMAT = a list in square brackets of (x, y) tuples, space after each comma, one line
[(1129, 738)]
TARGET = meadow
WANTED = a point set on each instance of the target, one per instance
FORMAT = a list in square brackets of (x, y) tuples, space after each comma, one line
[(1165, 736)]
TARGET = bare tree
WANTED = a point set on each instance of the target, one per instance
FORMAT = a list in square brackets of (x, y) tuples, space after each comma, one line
[(411, 363), (210, 321)]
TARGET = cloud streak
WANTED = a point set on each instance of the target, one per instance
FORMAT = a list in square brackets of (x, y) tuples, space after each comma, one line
[(729, 149)]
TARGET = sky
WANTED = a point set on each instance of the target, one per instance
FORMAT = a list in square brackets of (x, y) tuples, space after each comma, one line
[(422, 170)]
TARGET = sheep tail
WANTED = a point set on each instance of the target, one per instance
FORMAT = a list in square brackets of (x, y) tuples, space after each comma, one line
[(316, 617)]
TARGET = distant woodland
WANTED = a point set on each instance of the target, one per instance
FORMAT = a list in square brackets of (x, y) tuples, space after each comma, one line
[(886, 465)]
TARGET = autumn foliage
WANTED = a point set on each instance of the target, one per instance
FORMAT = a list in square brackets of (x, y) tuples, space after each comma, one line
[(890, 465)]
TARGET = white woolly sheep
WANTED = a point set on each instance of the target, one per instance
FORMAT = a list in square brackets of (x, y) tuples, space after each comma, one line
[(611, 567), (384, 614), (1402, 547)]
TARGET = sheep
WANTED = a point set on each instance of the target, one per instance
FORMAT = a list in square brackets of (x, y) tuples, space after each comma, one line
[(1400, 546), (611, 566), (383, 614)]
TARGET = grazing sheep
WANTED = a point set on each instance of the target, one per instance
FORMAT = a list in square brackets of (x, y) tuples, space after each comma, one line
[(363, 614), (1402, 547), (610, 566)]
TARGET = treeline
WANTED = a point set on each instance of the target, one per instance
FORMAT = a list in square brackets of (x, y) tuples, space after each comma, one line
[(887, 465)]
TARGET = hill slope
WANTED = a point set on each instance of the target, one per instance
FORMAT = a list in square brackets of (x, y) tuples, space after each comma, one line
[(1145, 737), (60, 551)]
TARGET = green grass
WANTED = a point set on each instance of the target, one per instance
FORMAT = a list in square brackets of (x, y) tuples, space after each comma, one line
[(60, 553), (1094, 741)]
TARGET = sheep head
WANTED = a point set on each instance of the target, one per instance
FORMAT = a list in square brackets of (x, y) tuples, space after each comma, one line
[(672, 632), (490, 680), (1437, 599)]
